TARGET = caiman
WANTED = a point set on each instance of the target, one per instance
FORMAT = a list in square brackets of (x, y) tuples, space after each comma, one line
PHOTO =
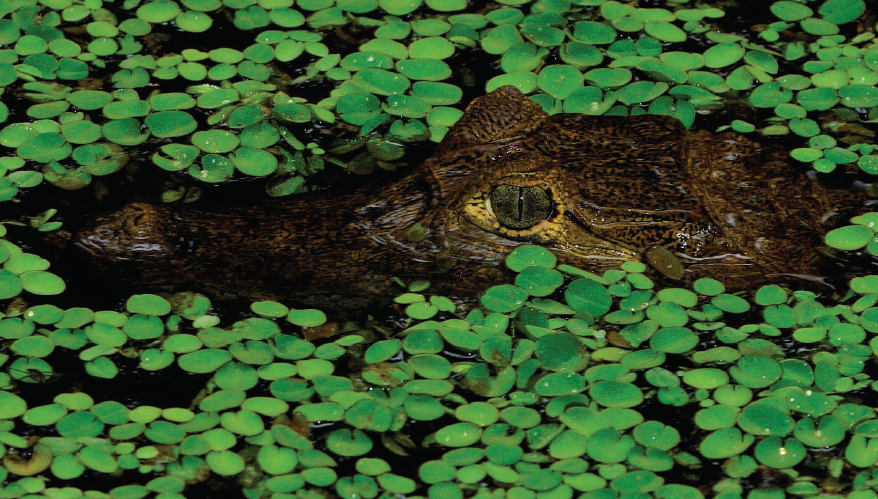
[(596, 190)]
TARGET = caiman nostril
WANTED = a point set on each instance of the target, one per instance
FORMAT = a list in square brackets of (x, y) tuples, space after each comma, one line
[(58, 238)]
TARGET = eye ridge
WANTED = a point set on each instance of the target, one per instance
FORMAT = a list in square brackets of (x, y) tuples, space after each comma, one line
[(518, 207)]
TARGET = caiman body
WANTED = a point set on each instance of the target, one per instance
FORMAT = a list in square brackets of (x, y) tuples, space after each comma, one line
[(597, 190)]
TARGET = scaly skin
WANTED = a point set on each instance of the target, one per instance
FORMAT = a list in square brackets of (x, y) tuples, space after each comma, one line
[(725, 206)]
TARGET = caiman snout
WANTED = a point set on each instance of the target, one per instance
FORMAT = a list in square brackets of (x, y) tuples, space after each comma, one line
[(133, 232)]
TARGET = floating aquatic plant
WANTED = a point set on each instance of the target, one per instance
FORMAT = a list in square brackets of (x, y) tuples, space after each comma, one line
[(546, 389), (236, 112)]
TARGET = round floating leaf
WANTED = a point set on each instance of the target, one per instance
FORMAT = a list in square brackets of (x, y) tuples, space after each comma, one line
[(673, 340), (276, 460), (432, 47), (498, 40), (560, 81), (171, 123), (780, 453), (345, 442), (357, 108), (504, 298), (716, 417), (430, 366), (242, 422), (33, 346), (770, 295), (381, 351), (44, 415), (841, 11), (307, 317), (609, 78), (44, 148), (11, 405), (204, 361), (457, 435), (849, 238), (593, 32), (79, 424), (406, 106), (791, 11), (423, 341), (225, 463), (160, 11), (528, 255), (254, 162), (726, 442), (755, 371), (589, 100), (861, 451), (539, 281), (125, 132), (656, 435), (827, 432), (480, 413), (523, 57), (396, 484), (98, 460), (423, 407), (44, 314), (770, 94), (381, 82), (730, 303), (10, 284), (269, 309), (42, 283), (819, 27), (664, 31), (607, 445), (148, 304), (763, 419), (81, 132), (436, 471), (23, 262), (616, 394), (722, 55), (640, 92), (588, 296), (215, 141), (143, 327), (707, 378), (561, 352)]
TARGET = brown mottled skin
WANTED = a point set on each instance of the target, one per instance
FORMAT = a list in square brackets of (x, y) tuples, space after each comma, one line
[(725, 206)]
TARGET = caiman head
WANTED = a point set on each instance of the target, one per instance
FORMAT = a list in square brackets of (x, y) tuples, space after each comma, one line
[(600, 190)]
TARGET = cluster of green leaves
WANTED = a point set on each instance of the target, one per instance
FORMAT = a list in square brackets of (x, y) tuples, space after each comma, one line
[(859, 236), (394, 87), (541, 392), (20, 271), (644, 76)]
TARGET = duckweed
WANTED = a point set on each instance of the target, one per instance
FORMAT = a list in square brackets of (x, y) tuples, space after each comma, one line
[(615, 59), (542, 399)]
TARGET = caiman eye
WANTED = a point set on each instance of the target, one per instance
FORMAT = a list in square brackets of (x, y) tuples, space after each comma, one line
[(520, 207)]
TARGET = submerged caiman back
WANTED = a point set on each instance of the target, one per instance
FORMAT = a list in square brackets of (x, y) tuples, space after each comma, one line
[(598, 190)]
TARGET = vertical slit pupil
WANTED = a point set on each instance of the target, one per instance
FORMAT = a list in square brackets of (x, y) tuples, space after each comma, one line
[(520, 207)]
